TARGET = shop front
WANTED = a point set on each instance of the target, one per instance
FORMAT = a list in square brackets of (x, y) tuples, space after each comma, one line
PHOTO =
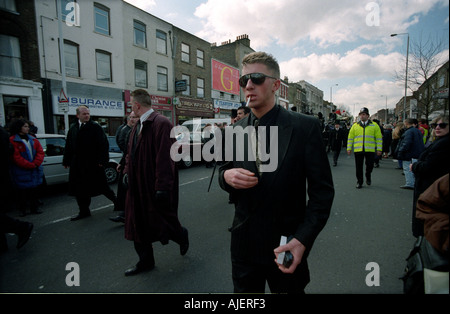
[(222, 108), (190, 108), (21, 99), (107, 112), (160, 104)]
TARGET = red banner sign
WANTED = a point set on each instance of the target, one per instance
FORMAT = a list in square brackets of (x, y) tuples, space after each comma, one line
[(225, 78)]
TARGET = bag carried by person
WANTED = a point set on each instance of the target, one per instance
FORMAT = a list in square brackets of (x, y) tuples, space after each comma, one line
[(426, 271)]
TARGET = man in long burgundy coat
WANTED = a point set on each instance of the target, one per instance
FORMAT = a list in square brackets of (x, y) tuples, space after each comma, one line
[(151, 209)]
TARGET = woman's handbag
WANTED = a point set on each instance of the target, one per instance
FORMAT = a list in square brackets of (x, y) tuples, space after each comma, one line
[(426, 270)]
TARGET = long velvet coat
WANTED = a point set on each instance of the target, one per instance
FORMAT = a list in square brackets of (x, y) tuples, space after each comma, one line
[(150, 168), (85, 150)]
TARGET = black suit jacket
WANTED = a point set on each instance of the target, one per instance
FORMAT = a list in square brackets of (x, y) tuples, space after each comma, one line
[(278, 205)]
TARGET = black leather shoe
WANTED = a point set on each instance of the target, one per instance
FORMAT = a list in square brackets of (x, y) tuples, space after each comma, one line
[(359, 185), (368, 181), (24, 235), (117, 219), (138, 269), (184, 246), (80, 216)]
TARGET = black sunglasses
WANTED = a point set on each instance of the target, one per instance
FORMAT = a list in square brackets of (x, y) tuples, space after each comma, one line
[(442, 125), (257, 78)]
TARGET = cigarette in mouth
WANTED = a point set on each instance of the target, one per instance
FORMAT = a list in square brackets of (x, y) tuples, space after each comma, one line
[(248, 101)]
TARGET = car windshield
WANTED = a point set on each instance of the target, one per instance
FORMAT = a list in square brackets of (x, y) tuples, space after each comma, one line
[(53, 146)]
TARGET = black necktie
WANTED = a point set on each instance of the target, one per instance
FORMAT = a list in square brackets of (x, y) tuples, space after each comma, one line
[(258, 160)]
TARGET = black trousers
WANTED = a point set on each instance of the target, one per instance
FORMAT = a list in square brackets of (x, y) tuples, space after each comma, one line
[(369, 157), (84, 201), (252, 277), (336, 154), (145, 253)]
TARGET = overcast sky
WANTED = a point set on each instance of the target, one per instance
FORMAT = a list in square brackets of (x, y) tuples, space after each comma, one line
[(325, 42)]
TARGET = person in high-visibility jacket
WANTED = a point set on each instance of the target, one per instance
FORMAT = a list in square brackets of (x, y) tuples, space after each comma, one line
[(366, 140)]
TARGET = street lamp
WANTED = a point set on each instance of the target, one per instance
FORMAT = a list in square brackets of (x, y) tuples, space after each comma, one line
[(386, 112), (406, 77)]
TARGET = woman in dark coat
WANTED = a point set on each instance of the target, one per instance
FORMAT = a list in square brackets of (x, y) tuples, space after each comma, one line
[(432, 164)]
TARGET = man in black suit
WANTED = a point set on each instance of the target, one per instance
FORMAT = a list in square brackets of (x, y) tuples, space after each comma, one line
[(270, 195), (86, 153)]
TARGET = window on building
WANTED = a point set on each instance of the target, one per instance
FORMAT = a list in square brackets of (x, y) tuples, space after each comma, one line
[(140, 34), (71, 58), (103, 62), (140, 73), (187, 92), (101, 19), (161, 42), (162, 79), (8, 5), (10, 60), (185, 51), (200, 58), (200, 88), (441, 80)]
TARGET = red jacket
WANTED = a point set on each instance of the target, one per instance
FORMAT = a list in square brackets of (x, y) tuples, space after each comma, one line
[(26, 169)]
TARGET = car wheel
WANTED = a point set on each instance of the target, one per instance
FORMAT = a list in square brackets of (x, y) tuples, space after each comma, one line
[(111, 173), (186, 161)]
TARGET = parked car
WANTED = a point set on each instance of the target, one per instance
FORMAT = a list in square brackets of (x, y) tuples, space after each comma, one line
[(196, 140), (54, 171), (113, 147)]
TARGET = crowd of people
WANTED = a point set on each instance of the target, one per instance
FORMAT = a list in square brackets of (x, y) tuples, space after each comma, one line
[(293, 201)]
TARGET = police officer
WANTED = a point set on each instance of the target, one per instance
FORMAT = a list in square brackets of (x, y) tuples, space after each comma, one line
[(365, 136)]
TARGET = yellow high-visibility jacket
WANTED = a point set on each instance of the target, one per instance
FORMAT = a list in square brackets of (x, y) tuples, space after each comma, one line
[(365, 139)]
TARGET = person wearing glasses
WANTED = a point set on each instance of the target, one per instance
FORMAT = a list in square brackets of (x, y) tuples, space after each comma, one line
[(431, 165), (270, 204)]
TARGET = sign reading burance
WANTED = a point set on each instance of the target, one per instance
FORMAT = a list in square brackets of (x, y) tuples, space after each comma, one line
[(97, 107)]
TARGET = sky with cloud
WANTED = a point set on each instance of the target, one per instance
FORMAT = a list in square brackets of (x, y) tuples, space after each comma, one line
[(324, 42)]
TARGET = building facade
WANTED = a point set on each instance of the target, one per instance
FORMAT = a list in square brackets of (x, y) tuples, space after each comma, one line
[(148, 58), (314, 98), (20, 82), (192, 96)]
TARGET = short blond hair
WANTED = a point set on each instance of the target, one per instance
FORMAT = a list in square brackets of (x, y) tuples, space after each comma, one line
[(264, 58)]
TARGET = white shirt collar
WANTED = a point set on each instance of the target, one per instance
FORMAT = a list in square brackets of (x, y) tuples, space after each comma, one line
[(145, 116)]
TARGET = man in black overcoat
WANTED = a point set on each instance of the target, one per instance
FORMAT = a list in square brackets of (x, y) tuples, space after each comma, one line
[(271, 195), (86, 153), (336, 139)]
